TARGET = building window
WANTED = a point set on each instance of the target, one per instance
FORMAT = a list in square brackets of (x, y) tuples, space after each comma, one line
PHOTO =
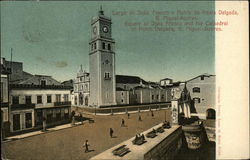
[(58, 114), (80, 79), (109, 47), (66, 113), (196, 90), (66, 98), (103, 45), (75, 100), (2, 92), (122, 100), (94, 45), (16, 122), (157, 96), (202, 78), (107, 75), (43, 82), (39, 117), (122, 93), (153, 97), (197, 100), (28, 120), (49, 115), (58, 98), (28, 99), (15, 100), (162, 96), (39, 99), (48, 98)]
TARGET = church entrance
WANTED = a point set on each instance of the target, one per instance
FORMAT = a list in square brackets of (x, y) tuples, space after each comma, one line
[(86, 101), (80, 99)]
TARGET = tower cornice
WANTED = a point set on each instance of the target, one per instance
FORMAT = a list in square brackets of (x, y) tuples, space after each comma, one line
[(102, 39)]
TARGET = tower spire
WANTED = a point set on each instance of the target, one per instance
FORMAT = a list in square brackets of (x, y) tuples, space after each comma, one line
[(101, 12)]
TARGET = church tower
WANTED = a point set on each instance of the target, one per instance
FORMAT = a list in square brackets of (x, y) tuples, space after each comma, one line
[(102, 62)]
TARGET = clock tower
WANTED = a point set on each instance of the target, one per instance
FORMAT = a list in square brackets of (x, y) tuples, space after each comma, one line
[(102, 62)]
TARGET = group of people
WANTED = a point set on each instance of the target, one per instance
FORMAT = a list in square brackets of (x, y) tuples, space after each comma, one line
[(111, 131)]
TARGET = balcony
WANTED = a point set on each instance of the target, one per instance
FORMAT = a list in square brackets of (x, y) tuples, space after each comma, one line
[(4, 104), (62, 103), (22, 106)]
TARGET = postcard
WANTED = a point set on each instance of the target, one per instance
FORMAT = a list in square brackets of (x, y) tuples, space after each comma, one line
[(124, 80)]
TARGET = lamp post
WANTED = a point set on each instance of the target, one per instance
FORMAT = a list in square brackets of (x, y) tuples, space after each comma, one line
[(95, 109), (165, 115)]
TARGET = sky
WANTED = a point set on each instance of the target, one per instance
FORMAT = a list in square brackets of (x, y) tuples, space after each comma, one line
[(51, 38)]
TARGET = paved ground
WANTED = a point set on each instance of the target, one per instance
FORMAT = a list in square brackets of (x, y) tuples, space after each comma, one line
[(68, 143)]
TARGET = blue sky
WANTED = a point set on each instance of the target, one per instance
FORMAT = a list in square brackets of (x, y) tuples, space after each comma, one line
[(52, 38)]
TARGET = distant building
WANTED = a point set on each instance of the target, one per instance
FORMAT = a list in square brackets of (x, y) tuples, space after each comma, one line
[(33, 97), (31, 103), (5, 109), (68, 83), (81, 89), (202, 91), (17, 73)]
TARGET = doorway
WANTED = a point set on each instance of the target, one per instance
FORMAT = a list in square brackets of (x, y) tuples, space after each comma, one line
[(16, 122)]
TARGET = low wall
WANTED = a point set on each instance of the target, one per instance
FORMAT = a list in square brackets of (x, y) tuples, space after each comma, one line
[(164, 146), (121, 109)]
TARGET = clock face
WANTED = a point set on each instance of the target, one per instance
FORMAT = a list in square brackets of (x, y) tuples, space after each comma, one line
[(105, 29), (94, 29)]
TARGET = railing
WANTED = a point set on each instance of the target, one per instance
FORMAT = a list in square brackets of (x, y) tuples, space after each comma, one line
[(62, 103), (125, 109), (22, 106)]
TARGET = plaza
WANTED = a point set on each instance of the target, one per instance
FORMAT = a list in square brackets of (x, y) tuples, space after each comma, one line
[(68, 143)]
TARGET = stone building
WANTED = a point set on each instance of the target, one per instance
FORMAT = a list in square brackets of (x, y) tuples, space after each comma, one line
[(102, 62), (30, 103), (81, 89), (33, 97), (5, 109), (202, 92)]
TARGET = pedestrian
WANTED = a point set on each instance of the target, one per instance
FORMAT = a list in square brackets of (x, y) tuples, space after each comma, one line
[(111, 132), (73, 120), (128, 115), (44, 124), (86, 145), (139, 118), (81, 118), (123, 123), (152, 113)]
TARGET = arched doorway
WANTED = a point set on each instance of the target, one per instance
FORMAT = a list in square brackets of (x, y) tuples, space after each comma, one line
[(86, 101), (211, 114), (80, 99)]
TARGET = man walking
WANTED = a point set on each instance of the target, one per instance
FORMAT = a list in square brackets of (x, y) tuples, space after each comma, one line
[(44, 124), (111, 132), (139, 118), (86, 145), (123, 123)]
